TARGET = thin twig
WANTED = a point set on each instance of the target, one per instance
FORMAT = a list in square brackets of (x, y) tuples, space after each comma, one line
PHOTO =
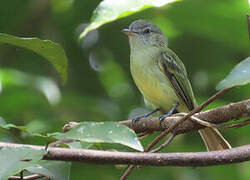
[(144, 135), (235, 125), (166, 143), (127, 172), (220, 126)]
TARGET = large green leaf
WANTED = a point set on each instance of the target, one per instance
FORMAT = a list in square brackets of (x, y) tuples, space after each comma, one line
[(55, 170), (240, 75), (15, 159), (110, 10), (46, 48), (105, 132)]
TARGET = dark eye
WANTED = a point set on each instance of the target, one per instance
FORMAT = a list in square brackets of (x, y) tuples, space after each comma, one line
[(147, 30)]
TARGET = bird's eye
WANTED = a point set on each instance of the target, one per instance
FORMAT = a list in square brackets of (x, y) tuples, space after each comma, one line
[(147, 30)]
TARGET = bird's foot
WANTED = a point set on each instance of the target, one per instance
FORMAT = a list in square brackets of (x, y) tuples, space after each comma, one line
[(144, 116), (162, 117), (137, 118)]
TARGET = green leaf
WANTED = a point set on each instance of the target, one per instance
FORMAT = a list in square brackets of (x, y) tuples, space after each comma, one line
[(24, 129), (4, 125), (110, 10), (46, 48), (240, 75), (55, 170), (80, 145), (9, 126), (104, 132), (15, 159), (45, 85)]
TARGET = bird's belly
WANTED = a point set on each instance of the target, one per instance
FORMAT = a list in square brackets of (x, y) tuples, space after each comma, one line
[(155, 87)]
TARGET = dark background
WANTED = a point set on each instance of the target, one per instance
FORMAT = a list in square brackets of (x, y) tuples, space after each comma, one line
[(211, 37)]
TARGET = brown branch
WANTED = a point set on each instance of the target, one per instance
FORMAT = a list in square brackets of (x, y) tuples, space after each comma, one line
[(216, 116), (30, 177), (176, 124), (234, 155), (233, 111)]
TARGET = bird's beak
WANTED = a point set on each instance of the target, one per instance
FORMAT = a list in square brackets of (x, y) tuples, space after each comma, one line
[(128, 32)]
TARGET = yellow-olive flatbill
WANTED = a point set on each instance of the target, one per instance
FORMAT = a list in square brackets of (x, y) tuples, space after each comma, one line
[(162, 79)]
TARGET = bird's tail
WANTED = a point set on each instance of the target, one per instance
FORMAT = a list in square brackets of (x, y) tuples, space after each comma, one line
[(213, 139)]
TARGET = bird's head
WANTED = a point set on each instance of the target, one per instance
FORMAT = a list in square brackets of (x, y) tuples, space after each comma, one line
[(144, 33)]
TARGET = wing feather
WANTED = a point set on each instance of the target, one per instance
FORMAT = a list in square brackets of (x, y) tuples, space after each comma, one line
[(175, 71)]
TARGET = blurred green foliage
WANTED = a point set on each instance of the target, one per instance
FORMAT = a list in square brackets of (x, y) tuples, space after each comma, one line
[(211, 37)]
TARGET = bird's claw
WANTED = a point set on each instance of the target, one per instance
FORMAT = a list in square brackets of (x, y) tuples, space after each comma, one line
[(136, 119), (143, 116), (162, 118)]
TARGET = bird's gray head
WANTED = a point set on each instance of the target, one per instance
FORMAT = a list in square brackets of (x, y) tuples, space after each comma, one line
[(142, 32)]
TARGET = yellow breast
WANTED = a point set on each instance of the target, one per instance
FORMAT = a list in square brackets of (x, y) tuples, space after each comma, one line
[(154, 86)]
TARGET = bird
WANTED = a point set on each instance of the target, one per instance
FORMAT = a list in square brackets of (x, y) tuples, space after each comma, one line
[(162, 79)]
